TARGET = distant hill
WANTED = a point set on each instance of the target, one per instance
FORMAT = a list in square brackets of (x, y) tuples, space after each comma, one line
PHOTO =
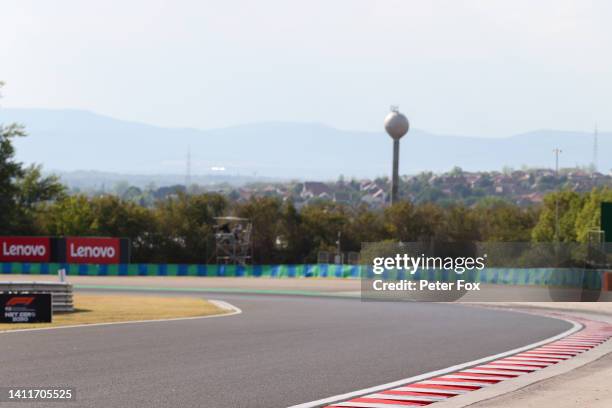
[(69, 140)]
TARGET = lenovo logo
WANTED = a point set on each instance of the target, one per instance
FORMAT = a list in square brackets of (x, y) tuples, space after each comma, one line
[(20, 301), (77, 251), (23, 250), (94, 250)]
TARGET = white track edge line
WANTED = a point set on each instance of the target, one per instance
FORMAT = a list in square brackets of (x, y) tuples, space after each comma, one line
[(233, 310), (342, 397)]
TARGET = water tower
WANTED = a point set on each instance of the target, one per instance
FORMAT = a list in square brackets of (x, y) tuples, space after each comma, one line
[(396, 125)]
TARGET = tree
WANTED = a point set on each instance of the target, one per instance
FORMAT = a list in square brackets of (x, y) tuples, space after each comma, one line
[(408, 223), (589, 216), (265, 214), (460, 225), (71, 215), (32, 190), (292, 235), (21, 190), (185, 227), (570, 204), (115, 217), (501, 221), (322, 223), (399, 221), (364, 226), (133, 193), (10, 170)]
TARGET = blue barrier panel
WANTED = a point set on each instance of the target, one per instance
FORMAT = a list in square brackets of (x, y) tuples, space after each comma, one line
[(66, 267), (182, 270), (123, 270), (537, 276), (162, 270), (201, 270), (257, 271), (142, 270), (324, 271), (82, 270), (309, 270), (515, 276), (240, 271), (103, 270)]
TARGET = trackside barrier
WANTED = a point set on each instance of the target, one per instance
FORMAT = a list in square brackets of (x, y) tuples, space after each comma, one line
[(270, 271), (61, 292), (588, 279)]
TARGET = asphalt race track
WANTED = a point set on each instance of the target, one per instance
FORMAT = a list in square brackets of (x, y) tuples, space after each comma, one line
[(280, 351)]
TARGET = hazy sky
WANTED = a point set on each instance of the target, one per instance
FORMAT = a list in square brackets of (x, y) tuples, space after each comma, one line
[(483, 68)]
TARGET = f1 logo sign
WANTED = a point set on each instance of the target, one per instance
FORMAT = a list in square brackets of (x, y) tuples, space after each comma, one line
[(20, 301)]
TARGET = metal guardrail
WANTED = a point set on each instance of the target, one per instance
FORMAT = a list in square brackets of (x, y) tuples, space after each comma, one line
[(61, 292)]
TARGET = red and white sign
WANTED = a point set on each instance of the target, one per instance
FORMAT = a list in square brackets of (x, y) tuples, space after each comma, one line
[(92, 250), (25, 249)]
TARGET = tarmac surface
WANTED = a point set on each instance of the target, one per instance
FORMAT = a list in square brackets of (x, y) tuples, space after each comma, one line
[(279, 352)]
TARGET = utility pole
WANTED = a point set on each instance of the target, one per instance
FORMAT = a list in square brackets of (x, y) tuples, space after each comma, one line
[(188, 171), (557, 151), (595, 150)]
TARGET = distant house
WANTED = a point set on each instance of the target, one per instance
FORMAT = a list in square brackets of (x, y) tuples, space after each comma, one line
[(472, 178), (368, 186), (343, 197), (168, 192), (244, 195), (532, 198), (376, 198), (315, 189)]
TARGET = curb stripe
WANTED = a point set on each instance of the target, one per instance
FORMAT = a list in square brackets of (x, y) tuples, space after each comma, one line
[(491, 372), (374, 405), (411, 398), (431, 390)]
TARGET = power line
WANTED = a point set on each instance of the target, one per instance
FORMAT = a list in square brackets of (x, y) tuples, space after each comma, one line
[(557, 151)]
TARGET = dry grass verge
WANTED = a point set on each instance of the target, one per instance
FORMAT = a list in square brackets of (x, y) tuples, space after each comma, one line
[(92, 309)]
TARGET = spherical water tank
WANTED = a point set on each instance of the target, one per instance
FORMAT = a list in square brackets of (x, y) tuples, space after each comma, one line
[(396, 124)]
